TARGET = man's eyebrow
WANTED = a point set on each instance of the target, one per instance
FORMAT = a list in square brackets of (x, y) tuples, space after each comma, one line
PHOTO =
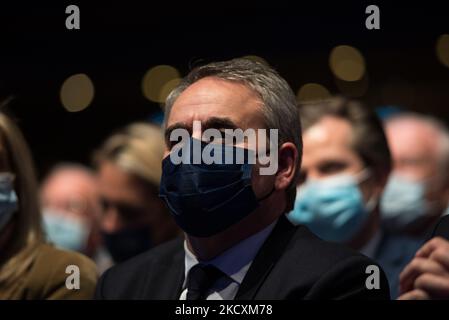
[(177, 125), (212, 122), (219, 123)]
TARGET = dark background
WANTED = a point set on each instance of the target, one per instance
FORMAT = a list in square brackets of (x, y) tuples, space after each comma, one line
[(119, 42)]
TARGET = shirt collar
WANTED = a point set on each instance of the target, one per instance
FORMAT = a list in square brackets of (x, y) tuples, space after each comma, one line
[(235, 261)]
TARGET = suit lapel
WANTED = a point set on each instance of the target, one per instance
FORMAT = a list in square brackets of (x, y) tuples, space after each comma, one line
[(266, 258), (170, 277), (177, 277)]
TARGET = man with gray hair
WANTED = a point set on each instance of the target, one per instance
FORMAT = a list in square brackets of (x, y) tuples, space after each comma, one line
[(238, 243), (417, 192), (71, 211), (71, 208)]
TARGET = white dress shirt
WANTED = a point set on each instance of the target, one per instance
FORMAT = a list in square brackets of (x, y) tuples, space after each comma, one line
[(234, 263)]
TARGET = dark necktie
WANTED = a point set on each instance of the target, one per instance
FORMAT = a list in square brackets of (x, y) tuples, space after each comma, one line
[(200, 279)]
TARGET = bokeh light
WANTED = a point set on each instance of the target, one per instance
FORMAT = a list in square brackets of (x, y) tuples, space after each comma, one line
[(159, 81), (77, 92), (442, 49), (347, 63), (312, 91), (167, 88)]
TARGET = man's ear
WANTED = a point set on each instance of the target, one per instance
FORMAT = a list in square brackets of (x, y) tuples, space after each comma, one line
[(287, 165)]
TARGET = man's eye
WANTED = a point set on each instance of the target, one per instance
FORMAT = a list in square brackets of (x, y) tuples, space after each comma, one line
[(232, 139), (128, 213), (215, 138), (413, 162), (104, 204), (172, 143), (330, 168)]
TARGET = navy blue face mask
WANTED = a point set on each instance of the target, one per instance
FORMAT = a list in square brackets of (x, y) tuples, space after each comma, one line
[(127, 243), (206, 199)]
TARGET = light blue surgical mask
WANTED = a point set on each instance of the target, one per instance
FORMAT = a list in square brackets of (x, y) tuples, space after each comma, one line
[(8, 199), (65, 232), (403, 202), (333, 208), (445, 212)]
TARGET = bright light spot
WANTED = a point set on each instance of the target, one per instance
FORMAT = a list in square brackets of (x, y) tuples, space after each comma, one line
[(77, 92), (167, 88), (312, 91), (347, 63), (442, 49), (156, 79)]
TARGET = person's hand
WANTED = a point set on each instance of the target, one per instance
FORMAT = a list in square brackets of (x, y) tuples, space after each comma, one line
[(427, 275)]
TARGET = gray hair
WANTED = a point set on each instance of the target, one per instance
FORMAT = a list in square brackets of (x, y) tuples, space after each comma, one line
[(440, 129), (368, 138), (280, 108)]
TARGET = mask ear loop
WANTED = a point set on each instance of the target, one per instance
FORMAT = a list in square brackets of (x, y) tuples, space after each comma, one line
[(267, 195), (256, 155), (371, 203), (362, 176)]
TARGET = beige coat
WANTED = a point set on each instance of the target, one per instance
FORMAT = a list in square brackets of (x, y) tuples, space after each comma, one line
[(46, 277)]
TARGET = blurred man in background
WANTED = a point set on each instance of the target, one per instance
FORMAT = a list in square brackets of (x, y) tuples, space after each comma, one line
[(129, 171), (346, 164), (71, 210), (417, 192)]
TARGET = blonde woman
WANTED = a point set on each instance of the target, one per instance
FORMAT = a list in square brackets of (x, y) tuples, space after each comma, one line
[(129, 166), (30, 268)]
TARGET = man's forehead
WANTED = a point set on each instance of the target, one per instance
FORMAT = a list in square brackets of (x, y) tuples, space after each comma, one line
[(329, 131), (411, 138), (211, 88), (409, 128), (328, 140), (211, 97)]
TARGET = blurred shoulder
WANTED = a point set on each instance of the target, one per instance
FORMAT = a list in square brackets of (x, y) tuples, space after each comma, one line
[(161, 255), (52, 268), (333, 270), (442, 228), (55, 256), (130, 279), (323, 252)]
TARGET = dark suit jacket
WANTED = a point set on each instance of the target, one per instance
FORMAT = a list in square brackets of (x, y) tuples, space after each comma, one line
[(442, 228), (292, 264), (393, 254)]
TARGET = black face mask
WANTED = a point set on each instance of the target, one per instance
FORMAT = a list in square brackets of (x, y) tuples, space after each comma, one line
[(206, 199), (127, 243)]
